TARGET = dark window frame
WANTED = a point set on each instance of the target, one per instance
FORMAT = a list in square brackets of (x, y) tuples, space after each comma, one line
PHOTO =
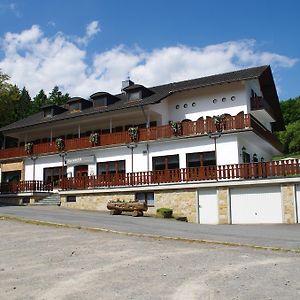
[(165, 159), (202, 162), (119, 167)]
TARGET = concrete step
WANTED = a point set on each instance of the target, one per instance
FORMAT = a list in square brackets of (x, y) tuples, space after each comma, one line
[(52, 199)]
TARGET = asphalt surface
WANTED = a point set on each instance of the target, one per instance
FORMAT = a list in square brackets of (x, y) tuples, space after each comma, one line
[(281, 235), (49, 263)]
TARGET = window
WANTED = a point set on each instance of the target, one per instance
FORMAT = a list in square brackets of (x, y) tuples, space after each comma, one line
[(232, 98), (71, 198), (134, 95), (48, 113), (224, 99), (165, 162), (177, 106), (215, 101), (111, 167), (98, 102), (185, 105), (54, 174), (147, 197), (75, 107), (194, 104), (200, 159)]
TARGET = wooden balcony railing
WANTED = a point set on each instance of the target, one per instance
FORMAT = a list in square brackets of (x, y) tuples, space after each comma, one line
[(200, 127), (251, 171), (33, 186), (260, 103)]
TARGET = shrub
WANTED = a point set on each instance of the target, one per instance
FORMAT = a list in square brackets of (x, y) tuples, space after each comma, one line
[(164, 212)]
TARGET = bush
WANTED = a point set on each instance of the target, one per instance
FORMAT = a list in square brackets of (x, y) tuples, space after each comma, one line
[(164, 212)]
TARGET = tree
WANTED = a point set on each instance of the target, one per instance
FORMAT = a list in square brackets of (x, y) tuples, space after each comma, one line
[(23, 108), (9, 100), (290, 138), (38, 101), (57, 97)]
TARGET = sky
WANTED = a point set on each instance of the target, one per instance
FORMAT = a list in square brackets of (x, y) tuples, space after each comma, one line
[(92, 45)]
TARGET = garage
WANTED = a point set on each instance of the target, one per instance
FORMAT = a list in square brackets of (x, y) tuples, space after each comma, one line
[(256, 205), (298, 201), (208, 206)]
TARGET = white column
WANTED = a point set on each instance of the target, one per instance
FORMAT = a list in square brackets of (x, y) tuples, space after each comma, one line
[(110, 125), (79, 131)]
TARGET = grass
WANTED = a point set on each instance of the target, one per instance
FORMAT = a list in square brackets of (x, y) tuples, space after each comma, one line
[(292, 155)]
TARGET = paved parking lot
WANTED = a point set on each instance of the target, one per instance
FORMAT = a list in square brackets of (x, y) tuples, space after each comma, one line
[(41, 262), (281, 235)]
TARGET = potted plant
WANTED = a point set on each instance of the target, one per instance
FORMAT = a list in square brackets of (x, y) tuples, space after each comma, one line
[(219, 122), (29, 148), (94, 138), (60, 144), (176, 127), (133, 133)]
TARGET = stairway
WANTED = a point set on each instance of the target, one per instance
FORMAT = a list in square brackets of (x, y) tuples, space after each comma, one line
[(52, 199)]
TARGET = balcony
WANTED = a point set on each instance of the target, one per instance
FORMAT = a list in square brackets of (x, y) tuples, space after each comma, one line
[(189, 128), (261, 108), (251, 171)]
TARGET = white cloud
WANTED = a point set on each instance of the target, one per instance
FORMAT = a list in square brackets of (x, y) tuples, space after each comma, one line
[(40, 62), (91, 30)]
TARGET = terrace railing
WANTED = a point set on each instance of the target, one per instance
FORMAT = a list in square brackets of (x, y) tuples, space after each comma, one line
[(251, 171), (189, 128), (32, 186)]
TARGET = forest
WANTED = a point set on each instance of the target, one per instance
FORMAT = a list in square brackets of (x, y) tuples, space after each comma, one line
[(16, 104)]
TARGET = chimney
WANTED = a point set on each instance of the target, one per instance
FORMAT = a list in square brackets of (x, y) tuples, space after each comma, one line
[(126, 83)]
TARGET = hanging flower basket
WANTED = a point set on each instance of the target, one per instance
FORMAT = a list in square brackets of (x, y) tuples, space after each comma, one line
[(176, 127), (60, 144), (219, 122), (94, 138), (133, 133), (29, 148)]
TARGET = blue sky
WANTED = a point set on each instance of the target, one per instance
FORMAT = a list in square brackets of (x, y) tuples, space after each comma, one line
[(88, 46)]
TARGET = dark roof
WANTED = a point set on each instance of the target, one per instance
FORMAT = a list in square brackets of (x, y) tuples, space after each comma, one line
[(158, 93), (76, 99)]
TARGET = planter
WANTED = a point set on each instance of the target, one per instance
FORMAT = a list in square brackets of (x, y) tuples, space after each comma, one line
[(28, 148), (94, 138), (60, 144), (133, 133)]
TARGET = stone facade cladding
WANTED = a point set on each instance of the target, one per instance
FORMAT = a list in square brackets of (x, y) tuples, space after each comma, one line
[(288, 203)]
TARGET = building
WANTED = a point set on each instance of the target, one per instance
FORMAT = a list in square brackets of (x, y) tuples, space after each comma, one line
[(202, 147)]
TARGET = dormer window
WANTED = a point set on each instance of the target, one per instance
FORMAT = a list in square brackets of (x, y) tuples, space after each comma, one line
[(103, 99), (136, 92), (51, 110), (77, 104), (134, 95), (74, 107), (48, 113)]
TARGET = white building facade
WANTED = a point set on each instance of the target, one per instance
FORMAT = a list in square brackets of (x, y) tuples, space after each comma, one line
[(223, 131)]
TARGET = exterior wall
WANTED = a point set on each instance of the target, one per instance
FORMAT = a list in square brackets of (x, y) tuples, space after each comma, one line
[(13, 166), (95, 201), (203, 99), (288, 203), (183, 202), (223, 200), (227, 153), (297, 208)]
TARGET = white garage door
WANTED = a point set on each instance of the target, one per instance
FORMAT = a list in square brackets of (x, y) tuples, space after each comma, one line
[(256, 205), (298, 201), (208, 206)]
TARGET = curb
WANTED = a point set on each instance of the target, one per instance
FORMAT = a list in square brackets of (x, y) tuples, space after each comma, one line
[(146, 235)]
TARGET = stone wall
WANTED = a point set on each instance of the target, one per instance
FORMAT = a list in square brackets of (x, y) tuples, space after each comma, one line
[(95, 201), (183, 202), (288, 203), (223, 205)]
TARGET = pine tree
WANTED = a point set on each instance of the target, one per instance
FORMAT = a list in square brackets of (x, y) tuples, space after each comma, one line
[(38, 101), (23, 108), (57, 97)]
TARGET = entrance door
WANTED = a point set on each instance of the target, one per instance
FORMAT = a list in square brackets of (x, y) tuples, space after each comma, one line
[(208, 206), (81, 171)]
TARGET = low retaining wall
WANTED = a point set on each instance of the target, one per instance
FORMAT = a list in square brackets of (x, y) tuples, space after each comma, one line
[(183, 199)]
